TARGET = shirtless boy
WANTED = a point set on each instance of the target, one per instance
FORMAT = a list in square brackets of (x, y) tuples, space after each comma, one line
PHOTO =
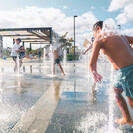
[(57, 61), (120, 53)]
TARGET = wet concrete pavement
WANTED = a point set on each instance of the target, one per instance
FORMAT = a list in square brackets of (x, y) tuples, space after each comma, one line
[(57, 105)]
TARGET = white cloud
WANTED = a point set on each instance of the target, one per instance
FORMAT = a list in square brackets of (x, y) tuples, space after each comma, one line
[(47, 17), (65, 7), (126, 15), (118, 4), (128, 32)]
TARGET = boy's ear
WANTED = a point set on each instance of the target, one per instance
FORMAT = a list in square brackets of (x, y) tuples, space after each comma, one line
[(98, 28)]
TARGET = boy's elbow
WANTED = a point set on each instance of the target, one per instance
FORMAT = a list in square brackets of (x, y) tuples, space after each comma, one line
[(90, 64)]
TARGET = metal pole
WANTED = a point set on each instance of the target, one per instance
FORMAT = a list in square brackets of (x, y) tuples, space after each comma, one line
[(74, 36), (23, 44), (30, 47), (119, 27), (50, 36)]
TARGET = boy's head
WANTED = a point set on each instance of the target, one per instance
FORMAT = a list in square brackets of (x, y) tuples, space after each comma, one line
[(18, 40), (97, 27), (56, 49), (21, 47)]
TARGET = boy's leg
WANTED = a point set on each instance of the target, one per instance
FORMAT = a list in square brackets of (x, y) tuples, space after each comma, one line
[(123, 107), (61, 68), (130, 100), (14, 59), (27, 56), (15, 68), (20, 63)]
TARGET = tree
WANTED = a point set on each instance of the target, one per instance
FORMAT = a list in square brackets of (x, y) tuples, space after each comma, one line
[(66, 42)]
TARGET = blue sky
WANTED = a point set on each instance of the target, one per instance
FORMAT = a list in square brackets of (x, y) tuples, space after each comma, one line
[(59, 14), (73, 6)]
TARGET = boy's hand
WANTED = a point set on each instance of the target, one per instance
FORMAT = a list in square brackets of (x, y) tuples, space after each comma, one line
[(97, 77)]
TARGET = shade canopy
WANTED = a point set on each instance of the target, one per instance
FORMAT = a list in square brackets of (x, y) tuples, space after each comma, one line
[(42, 35)]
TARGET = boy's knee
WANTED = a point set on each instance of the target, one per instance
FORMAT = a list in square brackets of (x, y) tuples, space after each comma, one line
[(130, 100), (118, 91), (131, 104), (118, 97)]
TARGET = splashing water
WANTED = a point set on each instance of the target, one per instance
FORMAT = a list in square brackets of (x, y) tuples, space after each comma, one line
[(18, 65), (109, 28), (52, 60), (65, 60), (109, 25), (1, 94), (44, 56), (111, 104), (88, 124), (45, 61)]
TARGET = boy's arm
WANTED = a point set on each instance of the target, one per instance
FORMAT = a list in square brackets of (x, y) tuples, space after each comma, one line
[(130, 39), (19, 50), (87, 49), (93, 60)]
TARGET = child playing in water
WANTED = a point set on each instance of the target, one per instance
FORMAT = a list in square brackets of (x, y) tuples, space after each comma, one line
[(120, 53), (22, 55), (57, 61)]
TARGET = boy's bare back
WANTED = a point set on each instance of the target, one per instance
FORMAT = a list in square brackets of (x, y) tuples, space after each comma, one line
[(118, 50), (56, 54)]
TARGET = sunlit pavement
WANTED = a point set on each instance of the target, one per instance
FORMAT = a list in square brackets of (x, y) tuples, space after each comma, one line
[(36, 102)]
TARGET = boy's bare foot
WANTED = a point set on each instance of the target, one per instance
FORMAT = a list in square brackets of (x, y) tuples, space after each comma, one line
[(124, 121)]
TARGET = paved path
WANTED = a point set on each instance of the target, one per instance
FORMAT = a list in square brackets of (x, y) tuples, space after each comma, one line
[(68, 106), (38, 117)]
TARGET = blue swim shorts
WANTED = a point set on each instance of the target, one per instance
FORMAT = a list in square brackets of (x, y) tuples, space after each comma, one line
[(123, 79)]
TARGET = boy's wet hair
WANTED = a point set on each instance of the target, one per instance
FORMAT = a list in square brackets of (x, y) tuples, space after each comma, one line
[(21, 46), (97, 24)]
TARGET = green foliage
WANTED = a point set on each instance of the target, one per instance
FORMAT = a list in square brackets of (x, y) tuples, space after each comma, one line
[(66, 41), (70, 57)]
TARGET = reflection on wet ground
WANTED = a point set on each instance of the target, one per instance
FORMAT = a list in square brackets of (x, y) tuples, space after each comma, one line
[(76, 104), (18, 95)]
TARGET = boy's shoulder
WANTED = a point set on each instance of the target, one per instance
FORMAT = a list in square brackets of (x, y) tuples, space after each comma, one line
[(99, 40)]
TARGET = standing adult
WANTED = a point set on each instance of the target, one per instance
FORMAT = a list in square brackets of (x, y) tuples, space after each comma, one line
[(15, 51)]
